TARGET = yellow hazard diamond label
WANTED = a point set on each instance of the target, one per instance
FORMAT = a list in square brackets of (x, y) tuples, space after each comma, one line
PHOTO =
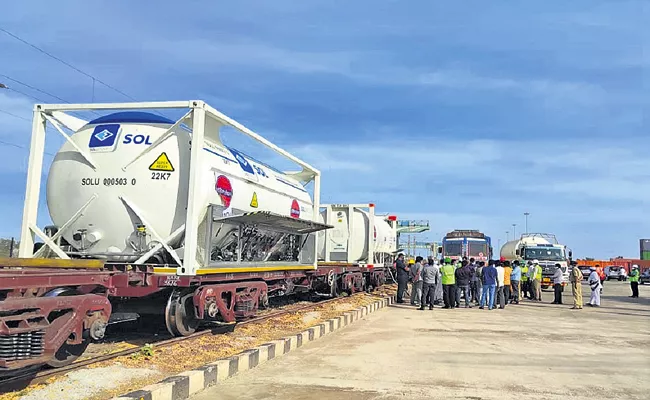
[(254, 200), (162, 163)]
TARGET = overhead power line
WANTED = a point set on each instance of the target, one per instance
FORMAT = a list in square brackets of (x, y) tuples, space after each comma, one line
[(66, 63), (14, 115), (29, 86), (2, 142)]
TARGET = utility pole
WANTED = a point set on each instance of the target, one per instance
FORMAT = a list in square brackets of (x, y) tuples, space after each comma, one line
[(526, 214), (13, 243), (514, 231), (507, 235)]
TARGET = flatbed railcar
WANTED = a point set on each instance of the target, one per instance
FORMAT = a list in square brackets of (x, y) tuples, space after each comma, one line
[(155, 216)]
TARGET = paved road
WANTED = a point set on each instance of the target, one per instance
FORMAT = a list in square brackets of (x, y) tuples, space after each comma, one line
[(531, 351)]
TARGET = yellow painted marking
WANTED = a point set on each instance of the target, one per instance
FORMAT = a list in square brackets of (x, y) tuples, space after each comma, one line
[(226, 270), (162, 163), (50, 263), (254, 200)]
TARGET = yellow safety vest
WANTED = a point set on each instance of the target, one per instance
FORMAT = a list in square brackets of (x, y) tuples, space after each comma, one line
[(448, 274), (524, 273), (538, 272)]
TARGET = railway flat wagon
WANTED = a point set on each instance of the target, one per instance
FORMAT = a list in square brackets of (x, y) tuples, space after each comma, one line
[(153, 215)]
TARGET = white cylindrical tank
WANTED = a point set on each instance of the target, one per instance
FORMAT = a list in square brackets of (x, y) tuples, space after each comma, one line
[(152, 190), (349, 237), (508, 250)]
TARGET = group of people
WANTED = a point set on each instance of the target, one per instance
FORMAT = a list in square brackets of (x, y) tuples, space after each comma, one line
[(496, 284)]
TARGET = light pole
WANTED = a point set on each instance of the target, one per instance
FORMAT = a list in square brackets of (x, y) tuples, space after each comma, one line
[(507, 235), (514, 231), (526, 214)]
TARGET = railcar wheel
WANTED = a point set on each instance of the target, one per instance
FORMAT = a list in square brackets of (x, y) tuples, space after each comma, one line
[(67, 353), (179, 314)]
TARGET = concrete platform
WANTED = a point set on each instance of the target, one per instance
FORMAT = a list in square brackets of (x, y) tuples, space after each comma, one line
[(530, 351)]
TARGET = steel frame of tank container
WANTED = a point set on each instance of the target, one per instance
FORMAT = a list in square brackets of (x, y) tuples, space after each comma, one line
[(198, 112)]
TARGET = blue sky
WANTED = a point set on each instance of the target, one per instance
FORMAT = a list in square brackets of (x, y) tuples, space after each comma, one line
[(464, 113)]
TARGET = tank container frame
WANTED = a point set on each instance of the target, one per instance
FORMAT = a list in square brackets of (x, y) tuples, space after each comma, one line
[(197, 113)]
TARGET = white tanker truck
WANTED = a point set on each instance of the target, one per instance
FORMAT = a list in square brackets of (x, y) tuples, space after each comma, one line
[(543, 247)]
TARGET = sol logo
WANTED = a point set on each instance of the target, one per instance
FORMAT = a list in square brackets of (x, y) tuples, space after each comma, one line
[(224, 190), (295, 209)]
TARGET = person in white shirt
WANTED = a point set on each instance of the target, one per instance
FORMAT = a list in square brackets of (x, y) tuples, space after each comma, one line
[(557, 284), (595, 285), (501, 299)]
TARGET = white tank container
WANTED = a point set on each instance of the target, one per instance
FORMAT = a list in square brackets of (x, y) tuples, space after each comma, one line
[(348, 240), (508, 250), (153, 191)]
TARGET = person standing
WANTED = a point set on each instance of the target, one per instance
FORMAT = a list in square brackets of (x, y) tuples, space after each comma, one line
[(557, 284), (507, 271), (576, 287), (525, 282), (489, 279), (416, 277), (463, 278), (515, 279), (402, 277), (537, 280), (602, 276), (500, 283), (478, 284), (472, 267), (448, 284), (429, 281), (634, 281), (438, 292), (594, 284)]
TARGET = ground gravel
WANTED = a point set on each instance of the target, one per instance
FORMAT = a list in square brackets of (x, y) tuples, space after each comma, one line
[(82, 384)]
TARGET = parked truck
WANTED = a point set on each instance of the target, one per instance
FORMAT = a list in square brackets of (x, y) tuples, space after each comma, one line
[(543, 247), (466, 243)]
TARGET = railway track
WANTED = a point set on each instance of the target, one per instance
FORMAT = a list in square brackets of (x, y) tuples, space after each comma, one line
[(36, 376)]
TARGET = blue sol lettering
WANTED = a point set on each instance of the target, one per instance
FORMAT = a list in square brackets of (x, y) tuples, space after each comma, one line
[(137, 139)]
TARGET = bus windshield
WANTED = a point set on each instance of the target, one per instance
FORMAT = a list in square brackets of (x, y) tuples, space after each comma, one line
[(453, 248), (477, 249), (544, 253)]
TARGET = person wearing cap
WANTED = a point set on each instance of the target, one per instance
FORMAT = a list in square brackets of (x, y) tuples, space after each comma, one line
[(557, 284), (402, 277), (515, 279), (576, 287), (595, 285), (416, 277), (449, 284), (634, 281)]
